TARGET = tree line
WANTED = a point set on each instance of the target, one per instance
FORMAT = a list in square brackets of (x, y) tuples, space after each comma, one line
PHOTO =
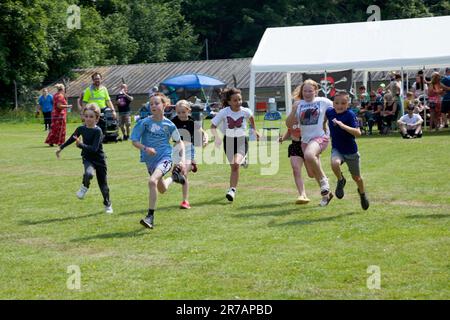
[(38, 46)]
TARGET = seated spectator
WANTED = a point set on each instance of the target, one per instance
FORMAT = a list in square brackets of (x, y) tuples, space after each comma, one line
[(410, 125), (420, 87), (363, 96), (409, 101), (381, 90), (371, 112), (389, 112)]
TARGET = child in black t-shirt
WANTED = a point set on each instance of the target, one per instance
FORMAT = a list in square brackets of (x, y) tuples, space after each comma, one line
[(191, 132), (92, 153)]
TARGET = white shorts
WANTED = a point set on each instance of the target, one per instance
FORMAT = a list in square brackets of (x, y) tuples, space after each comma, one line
[(164, 166)]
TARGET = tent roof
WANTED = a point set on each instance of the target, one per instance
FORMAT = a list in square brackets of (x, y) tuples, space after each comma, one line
[(376, 45), (193, 81)]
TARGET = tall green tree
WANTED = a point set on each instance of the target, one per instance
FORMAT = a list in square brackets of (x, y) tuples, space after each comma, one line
[(161, 31)]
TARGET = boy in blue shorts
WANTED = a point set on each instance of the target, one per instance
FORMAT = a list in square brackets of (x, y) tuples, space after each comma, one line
[(152, 136), (344, 128)]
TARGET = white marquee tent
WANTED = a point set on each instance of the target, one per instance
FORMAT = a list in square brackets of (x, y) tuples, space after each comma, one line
[(369, 46)]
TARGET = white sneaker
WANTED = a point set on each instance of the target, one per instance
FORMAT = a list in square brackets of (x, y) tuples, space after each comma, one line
[(82, 192), (109, 209), (231, 194), (326, 199), (244, 163)]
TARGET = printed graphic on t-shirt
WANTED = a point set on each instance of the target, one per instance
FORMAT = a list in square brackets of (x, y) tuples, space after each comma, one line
[(155, 127), (234, 123), (309, 115), (122, 101)]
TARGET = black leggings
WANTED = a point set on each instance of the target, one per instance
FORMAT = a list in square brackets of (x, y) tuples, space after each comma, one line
[(47, 119), (100, 170)]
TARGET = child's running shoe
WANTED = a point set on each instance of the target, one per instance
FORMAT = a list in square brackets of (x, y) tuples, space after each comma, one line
[(177, 176), (185, 205), (82, 192), (148, 221), (194, 167), (109, 209), (244, 163), (302, 200), (231, 194), (326, 198), (364, 200), (340, 188)]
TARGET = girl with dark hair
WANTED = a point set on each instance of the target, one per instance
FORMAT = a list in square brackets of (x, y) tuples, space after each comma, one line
[(233, 118)]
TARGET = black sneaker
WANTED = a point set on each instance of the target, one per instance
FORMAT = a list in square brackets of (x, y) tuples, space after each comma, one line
[(340, 188), (364, 200), (148, 221), (177, 176), (125, 138)]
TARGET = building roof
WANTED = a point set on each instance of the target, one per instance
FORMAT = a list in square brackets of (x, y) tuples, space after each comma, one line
[(142, 77)]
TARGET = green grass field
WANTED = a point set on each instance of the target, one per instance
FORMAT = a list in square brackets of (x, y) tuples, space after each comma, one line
[(262, 246)]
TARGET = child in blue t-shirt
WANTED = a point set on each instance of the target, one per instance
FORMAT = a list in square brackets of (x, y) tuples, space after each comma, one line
[(153, 136), (344, 127)]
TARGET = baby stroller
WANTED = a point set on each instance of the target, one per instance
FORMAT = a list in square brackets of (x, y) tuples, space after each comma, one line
[(109, 126)]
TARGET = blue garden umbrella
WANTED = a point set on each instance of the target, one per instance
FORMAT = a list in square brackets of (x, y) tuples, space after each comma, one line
[(193, 81)]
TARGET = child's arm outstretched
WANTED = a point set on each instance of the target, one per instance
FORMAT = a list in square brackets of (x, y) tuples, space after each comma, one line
[(95, 144), (290, 120), (217, 139), (284, 137), (205, 137), (150, 151), (353, 131), (252, 125), (68, 142)]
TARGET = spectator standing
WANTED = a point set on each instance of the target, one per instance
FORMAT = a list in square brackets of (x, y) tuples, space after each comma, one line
[(46, 106)]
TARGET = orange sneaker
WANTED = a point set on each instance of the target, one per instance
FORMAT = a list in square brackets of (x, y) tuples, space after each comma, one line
[(185, 205)]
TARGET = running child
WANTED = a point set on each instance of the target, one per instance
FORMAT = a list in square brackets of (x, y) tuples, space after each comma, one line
[(296, 156), (88, 138), (344, 128), (152, 137), (190, 133), (233, 118), (309, 111)]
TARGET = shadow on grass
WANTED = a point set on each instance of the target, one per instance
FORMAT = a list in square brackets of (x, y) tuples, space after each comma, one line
[(143, 211), (115, 235), (270, 205), (284, 212), (311, 221), (429, 216), (33, 223)]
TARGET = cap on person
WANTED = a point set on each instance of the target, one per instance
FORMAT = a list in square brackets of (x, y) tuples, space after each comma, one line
[(382, 85), (410, 108)]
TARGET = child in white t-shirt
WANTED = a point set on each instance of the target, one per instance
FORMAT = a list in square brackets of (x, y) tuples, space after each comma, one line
[(234, 126), (410, 124), (309, 110)]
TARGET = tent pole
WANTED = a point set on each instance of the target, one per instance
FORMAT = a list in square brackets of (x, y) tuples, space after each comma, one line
[(424, 104), (365, 77), (287, 93), (325, 78), (401, 95), (251, 94)]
